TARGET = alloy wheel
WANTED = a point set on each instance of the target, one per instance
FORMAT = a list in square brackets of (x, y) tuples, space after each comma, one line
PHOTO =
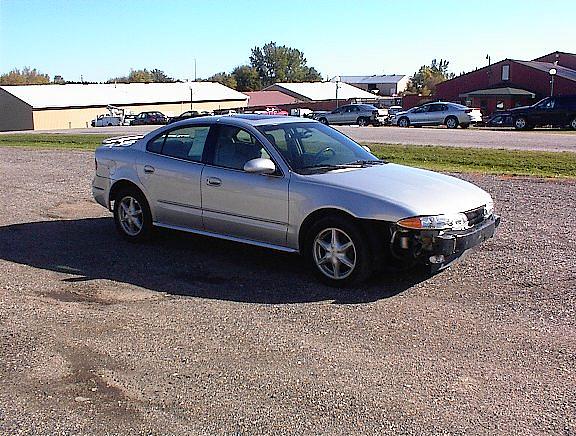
[(334, 253), (131, 216), (520, 123)]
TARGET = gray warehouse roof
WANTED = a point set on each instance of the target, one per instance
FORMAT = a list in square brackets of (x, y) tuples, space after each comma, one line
[(65, 96), (385, 78), (318, 91)]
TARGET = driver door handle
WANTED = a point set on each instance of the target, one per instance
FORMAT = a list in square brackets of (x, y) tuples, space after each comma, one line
[(148, 169), (213, 181)]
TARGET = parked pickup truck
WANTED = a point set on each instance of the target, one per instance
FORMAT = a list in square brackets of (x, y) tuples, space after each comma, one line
[(551, 111)]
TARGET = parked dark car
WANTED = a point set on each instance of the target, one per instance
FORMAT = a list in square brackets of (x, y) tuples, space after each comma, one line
[(499, 119), (153, 117), (188, 114), (550, 111)]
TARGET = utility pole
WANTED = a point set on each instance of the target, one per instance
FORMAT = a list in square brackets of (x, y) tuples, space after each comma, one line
[(191, 98), (195, 77), (337, 82)]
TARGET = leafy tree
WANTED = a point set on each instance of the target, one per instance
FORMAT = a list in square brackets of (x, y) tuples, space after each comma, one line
[(247, 78), (424, 81), (27, 76), (140, 76), (143, 76), (59, 80), (281, 64), (160, 76), (224, 78)]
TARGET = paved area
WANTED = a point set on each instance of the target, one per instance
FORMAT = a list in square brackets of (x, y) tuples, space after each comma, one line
[(189, 335), (540, 139)]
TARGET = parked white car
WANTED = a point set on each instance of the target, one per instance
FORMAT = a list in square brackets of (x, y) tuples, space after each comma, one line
[(434, 114), (106, 120)]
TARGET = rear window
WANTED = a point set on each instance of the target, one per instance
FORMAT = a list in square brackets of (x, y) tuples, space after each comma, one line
[(183, 143), (368, 107)]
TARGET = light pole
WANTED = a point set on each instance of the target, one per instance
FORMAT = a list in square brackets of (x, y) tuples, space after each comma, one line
[(337, 79), (552, 73), (191, 98)]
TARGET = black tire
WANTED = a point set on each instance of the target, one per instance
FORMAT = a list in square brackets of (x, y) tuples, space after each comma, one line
[(521, 123), (109, 124), (323, 121), (360, 251), (362, 121), (573, 123), (403, 122), (465, 126), (451, 122), (145, 232)]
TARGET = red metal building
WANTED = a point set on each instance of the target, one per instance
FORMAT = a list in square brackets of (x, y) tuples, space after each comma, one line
[(510, 83)]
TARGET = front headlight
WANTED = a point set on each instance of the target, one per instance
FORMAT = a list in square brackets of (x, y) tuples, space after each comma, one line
[(454, 221)]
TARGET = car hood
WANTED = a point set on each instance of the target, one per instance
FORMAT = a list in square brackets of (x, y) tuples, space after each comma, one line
[(401, 113), (420, 191)]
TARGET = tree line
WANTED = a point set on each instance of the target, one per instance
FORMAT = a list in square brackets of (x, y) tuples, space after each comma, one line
[(268, 64)]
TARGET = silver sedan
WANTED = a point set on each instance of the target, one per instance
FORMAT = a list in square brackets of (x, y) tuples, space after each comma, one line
[(293, 185), (434, 114)]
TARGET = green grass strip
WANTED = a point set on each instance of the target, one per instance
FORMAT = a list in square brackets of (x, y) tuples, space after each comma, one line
[(480, 160), (53, 141)]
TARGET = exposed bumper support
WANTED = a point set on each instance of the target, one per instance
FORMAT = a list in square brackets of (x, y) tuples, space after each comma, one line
[(449, 246)]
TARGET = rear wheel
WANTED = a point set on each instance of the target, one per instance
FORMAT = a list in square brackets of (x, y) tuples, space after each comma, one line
[(573, 123), (132, 215), (521, 123), (339, 252), (362, 121), (451, 122), (403, 122), (323, 121)]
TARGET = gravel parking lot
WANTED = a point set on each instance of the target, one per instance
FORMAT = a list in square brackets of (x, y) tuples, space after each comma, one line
[(189, 335)]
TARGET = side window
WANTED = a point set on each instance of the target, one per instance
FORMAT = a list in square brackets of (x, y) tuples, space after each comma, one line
[(186, 142), (155, 145), (505, 72), (234, 147)]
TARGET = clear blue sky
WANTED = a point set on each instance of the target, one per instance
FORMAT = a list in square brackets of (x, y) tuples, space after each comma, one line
[(105, 38)]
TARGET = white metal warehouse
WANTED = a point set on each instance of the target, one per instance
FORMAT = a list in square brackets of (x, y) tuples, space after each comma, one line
[(45, 107)]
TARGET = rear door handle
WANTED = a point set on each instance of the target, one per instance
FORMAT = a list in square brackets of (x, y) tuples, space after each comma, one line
[(148, 169), (213, 181)]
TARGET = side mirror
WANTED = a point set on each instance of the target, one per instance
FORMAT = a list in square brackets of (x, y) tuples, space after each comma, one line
[(365, 147), (260, 166)]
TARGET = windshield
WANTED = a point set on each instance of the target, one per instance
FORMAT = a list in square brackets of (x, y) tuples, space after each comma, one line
[(309, 147)]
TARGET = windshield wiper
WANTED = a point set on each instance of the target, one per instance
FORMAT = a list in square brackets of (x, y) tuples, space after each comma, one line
[(367, 162), (331, 166)]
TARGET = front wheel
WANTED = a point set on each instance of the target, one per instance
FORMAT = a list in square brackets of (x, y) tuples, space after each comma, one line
[(323, 121), (573, 123), (403, 122), (465, 126), (339, 252), (132, 215)]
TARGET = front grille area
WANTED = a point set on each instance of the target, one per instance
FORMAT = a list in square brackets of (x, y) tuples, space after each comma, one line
[(475, 216)]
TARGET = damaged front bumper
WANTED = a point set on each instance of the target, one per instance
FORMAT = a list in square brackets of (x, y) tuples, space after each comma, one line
[(439, 249)]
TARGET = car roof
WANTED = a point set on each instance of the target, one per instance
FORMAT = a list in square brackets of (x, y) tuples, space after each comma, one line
[(244, 120)]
